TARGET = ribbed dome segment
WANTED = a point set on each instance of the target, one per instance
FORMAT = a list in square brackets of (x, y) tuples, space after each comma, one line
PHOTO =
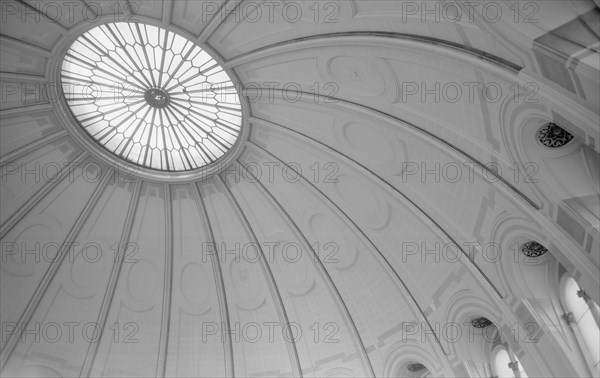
[(349, 214)]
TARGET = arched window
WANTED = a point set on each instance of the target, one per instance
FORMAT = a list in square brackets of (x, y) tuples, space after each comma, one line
[(581, 313), (501, 361), (506, 365)]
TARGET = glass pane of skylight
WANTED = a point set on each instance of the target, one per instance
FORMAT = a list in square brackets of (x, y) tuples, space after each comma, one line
[(151, 96)]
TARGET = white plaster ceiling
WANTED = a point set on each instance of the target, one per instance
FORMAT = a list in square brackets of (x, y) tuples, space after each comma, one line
[(362, 221)]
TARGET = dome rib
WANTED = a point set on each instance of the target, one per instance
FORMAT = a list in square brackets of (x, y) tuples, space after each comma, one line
[(358, 342), (168, 292), (268, 274), (49, 275), (48, 186), (354, 37), (396, 193), (383, 261), (219, 282), (19, 153), (92, 350)]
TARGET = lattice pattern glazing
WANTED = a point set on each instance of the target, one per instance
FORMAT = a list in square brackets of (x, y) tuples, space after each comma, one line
[(414, 367), (533, 249), (151, 97), (481, 322), (553, 136)]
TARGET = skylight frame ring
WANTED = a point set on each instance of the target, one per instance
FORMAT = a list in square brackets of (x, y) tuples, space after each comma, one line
[(129, 169)]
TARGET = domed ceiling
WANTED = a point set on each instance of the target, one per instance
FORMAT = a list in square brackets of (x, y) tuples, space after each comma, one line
[(387, 164)]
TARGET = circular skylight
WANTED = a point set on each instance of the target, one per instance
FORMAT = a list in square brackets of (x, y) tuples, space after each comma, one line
[(151, 97)]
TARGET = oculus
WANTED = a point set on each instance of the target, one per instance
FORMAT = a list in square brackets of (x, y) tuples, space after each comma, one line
[(151, 97)]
